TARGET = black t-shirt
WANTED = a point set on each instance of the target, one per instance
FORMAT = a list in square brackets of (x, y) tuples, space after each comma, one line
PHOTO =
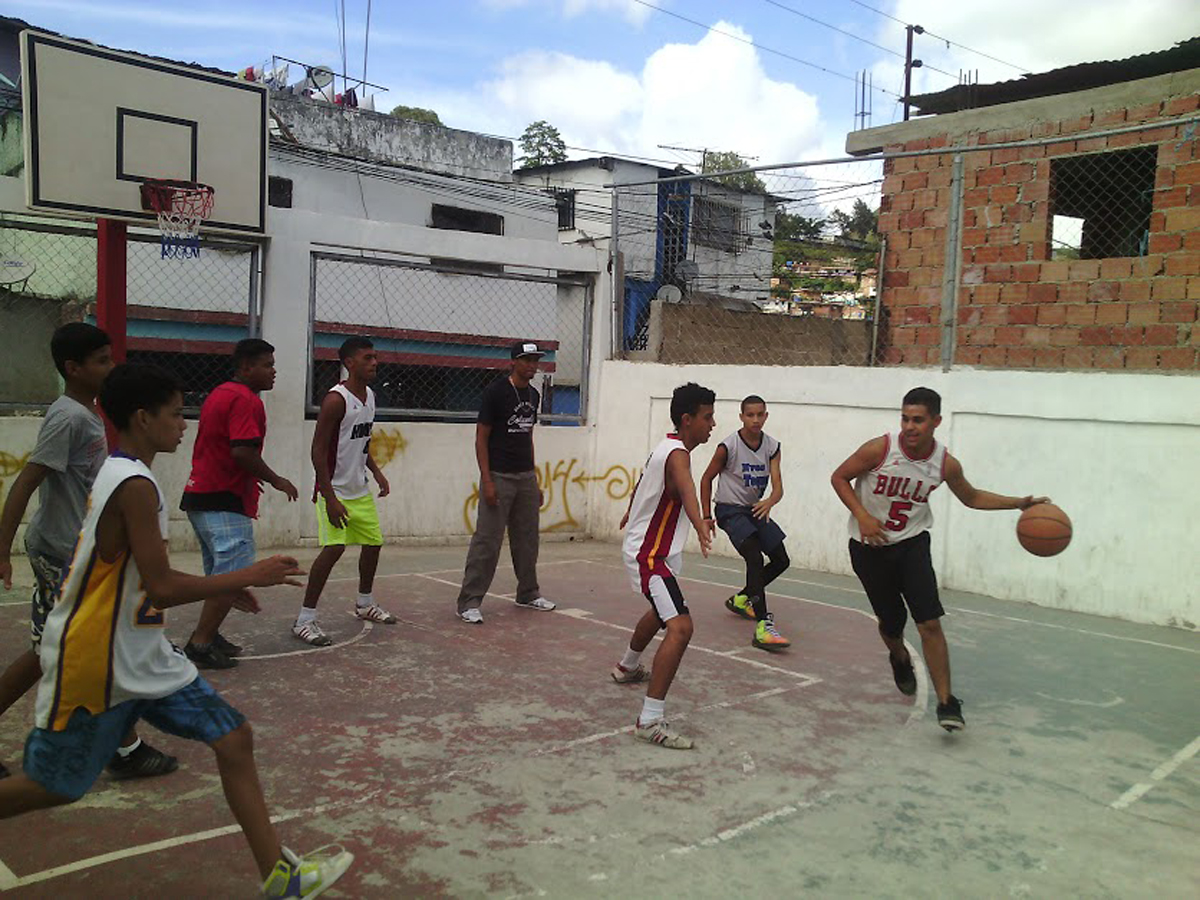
[(512, 412)]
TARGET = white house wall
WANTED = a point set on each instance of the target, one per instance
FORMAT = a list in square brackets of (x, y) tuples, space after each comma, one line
[(1112, 450)]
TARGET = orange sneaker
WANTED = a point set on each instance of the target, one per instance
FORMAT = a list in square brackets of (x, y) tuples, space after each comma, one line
[(767, 636)]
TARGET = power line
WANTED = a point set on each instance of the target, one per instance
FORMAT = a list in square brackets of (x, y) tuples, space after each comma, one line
[(851, 34), (756, 46), (1022, 69)]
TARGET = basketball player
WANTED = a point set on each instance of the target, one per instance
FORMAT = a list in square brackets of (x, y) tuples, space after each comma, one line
[(106, 661), (747, 460), (346, 513), (653, 553), (893, 476)]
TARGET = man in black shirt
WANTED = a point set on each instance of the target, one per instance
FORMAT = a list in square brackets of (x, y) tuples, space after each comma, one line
[(508, 490)]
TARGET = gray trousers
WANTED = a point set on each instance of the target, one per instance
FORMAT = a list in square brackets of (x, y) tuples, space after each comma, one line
[(518, 511)]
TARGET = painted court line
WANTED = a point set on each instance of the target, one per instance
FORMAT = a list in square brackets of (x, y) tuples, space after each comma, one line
[(1136, 792), (366, 629), (919, 701), (553, 562), (167, 844)]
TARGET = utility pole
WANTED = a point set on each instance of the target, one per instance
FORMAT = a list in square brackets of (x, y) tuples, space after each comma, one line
[(909, 65)]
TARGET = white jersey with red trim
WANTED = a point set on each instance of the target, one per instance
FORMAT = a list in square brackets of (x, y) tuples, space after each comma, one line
[(351, 444), (896, 492), (656, 532)]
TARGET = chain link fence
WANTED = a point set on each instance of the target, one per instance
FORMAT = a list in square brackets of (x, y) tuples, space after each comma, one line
[(184, 315), (777, 268), (443, 330)]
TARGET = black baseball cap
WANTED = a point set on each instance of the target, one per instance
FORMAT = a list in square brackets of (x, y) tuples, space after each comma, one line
[(526, 348)]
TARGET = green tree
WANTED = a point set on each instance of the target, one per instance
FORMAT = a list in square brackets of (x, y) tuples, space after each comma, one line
[(417, 114), (541, 144), (724, 160), (861, 223), (795, 227)]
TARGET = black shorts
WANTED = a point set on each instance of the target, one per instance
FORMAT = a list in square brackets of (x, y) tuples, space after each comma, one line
[(895, 575), (666, 598)]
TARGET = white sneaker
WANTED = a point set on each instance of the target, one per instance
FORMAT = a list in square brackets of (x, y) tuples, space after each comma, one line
[(538, 603), (659, 732), (473, 616), (375, 613), (310, 632), (636, 675)]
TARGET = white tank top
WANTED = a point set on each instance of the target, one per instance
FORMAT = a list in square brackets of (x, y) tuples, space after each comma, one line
[(656, 530), (896, 492), (747, 472), (104, 643), (348, 453)]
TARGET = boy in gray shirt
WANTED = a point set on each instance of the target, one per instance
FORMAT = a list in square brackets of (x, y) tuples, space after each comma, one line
[(747, 461), (71, 447)]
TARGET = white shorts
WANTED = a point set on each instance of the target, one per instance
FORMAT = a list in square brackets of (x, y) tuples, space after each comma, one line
[(666, 597)]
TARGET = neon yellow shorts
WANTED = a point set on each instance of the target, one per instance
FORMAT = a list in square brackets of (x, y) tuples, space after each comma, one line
[(362, 529)]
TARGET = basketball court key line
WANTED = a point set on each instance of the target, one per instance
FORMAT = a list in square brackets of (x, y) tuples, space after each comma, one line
[(1138, 791), (919, 700), (165, 844), (553, 562)]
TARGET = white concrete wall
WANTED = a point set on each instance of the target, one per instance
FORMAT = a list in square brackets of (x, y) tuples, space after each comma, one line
[(1117, 452)]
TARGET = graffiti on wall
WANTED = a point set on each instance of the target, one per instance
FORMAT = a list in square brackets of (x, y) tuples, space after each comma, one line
[(562, 482), (10, 466), (386, 445)]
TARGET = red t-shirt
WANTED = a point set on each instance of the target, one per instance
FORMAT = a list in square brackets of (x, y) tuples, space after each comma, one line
[(232, 415)]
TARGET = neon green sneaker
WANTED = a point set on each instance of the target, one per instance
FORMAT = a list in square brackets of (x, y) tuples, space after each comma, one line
[(739, 605), (767, 636), (308, 875)]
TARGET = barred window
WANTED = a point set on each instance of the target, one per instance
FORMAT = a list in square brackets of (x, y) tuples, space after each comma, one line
[(1100, 203), (716, 225), (564, 201)]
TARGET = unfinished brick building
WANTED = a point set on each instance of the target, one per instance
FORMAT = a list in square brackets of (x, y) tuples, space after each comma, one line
[(1079, 249)]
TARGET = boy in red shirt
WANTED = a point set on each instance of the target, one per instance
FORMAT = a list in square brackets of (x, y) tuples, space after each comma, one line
[(221, 496)]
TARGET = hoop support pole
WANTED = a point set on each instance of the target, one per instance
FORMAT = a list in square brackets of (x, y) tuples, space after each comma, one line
[(110, 291)]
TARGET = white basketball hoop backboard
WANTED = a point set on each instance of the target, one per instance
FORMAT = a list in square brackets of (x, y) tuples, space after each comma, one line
[(98, 123)]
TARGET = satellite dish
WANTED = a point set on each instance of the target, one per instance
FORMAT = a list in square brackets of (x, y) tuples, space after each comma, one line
[(16, 271), (668, 293), (320, 76)]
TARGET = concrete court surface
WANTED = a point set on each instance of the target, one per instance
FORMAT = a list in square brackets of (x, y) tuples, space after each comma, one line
[(496, 760)]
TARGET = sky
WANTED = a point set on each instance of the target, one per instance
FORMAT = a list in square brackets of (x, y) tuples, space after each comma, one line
[(630, 76)]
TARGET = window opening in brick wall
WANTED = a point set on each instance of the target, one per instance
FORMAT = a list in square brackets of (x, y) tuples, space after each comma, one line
[(1112, 193), (716, 225), (1067, 235), (564, 201), (455, 218)]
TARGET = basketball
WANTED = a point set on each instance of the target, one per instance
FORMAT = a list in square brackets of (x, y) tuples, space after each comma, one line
[(1044, 530)]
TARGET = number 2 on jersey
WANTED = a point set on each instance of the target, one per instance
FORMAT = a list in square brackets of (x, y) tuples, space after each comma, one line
[(898, 515)]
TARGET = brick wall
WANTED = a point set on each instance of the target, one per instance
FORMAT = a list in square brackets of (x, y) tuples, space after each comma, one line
[(1016, 306)]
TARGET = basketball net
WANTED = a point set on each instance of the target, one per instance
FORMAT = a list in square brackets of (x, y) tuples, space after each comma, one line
[(180, 207)]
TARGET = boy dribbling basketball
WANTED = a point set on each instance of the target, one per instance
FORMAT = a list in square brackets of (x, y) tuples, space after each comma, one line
[(894, 476)]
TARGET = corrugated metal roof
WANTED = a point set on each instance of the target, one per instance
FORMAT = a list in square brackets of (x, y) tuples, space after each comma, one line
[(1184, 55)]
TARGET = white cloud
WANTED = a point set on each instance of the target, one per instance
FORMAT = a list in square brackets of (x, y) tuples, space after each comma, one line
[(710, 94)]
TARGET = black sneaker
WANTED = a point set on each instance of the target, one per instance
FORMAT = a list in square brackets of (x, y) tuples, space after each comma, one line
[(144, 762), (208, 656), (229, 648), (906, 678), (950, 714)]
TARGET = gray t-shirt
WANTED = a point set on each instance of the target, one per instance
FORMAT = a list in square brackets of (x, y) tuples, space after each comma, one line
[(747, 471), (71, 443)]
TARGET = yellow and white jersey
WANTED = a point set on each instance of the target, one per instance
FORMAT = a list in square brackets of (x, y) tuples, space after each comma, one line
[(896, 492), (104, 642)]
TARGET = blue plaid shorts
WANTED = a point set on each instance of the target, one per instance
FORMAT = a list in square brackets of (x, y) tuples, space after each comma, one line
[(226, 540), (68, 762)]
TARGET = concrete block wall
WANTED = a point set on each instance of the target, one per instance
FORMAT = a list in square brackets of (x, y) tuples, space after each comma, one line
[(1016, 307)]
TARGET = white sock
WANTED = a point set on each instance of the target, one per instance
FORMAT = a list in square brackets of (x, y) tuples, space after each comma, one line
[(631, 659), (652, 710), (306, 615), (365, 600), (125, 751)]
